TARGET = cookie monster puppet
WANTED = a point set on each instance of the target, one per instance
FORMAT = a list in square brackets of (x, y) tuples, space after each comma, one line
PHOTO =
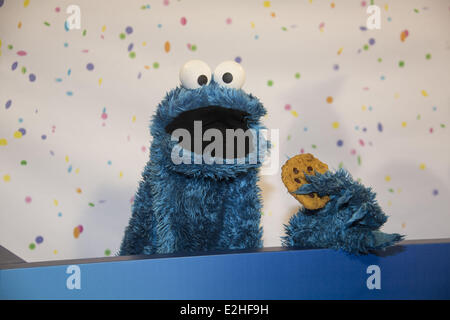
[(198, 203)]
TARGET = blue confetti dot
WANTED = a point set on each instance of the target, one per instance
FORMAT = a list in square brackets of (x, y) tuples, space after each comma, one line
[(39, 239), (8, 104), (43, 137), (90, 66), (59, 214), (66, 44), (23, 131), (159, 25), (371, 41), (129, 30), (32, 77), (336, 67), (435, 192), (130, 47), (238, 59), (340, 143), (380, 127), (14, 66)]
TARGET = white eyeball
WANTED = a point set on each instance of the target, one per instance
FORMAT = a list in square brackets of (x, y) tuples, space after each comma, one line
[(195, 74), (230, 74)]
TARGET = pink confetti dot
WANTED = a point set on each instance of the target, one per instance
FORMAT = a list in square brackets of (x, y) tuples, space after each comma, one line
[(28, 199), (183, 21), (143, 148), (21, 53), (287, 107), (166, 2), (80, 228), (361, 142), (57, 9), (353, 152), (104, 116), (228, 21)]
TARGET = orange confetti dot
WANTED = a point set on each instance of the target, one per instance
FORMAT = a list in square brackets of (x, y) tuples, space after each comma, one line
[(329, 99), (167, 46), (147, 67), (78, 190), (272, 14), (19, 25), (332, 5)]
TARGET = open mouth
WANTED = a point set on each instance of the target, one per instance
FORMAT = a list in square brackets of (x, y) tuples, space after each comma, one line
[(227, 121)]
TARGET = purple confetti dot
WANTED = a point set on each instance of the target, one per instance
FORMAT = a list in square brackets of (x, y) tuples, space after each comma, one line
[(238, 59), (14, 66), (8, 104), (371, 41), (23, 131), (340, 143), (90, 66), (364, 129), (129, 30), (336, 67), (32, 77), (362, 28), (2, 2), (130, 47), (43, 137), (380, 127), (52, 153), (435, 192), (39, 239)]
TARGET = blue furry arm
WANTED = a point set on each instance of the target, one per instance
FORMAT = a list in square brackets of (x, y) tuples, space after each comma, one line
[(139, 234), (241, 221), (349, 221)]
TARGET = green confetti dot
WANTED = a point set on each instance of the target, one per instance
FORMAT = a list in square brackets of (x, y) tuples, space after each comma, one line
[(270, 83), (122, 36), (341, 165), (297, 75), (442, 125), (10, 46), (359, 160), (428, 56), (193, 47), (107, 252), (132, 55), (24, 70), (84, 32), (284, 28), (366, 47), (156, 65), (91, 204), (418, 117), (379, 59), (416, 10), (314, 146), (23, 162), (401, 64), (391, 190), (32, 246), (47, 23)]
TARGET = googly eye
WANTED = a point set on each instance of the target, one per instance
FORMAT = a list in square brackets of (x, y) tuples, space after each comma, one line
[(230, 74), (195, 74)]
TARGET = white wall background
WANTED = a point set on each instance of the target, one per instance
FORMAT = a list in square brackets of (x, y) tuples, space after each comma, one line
[(407, 163)]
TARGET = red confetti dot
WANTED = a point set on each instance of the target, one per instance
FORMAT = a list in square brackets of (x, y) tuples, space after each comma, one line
[(183, 21)]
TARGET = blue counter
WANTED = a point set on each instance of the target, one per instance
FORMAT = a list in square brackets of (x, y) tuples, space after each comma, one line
[(411, 270)]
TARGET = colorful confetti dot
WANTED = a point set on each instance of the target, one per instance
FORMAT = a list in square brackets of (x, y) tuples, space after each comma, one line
[(297, 75), (238, 59), (270, 83), (403, 35), (107, 252), (335, 125), (266, 4), (32, 77), (287, 107), (132, 55), (14, 66), (401, 64), (428, 56), (435, 192), (155, 65), (404, 124), (371, 41), (32, 246), (387, 178), (340, 143), (18, 134), (122, 36), (424, 93), (380, 127), (8, 104), (167, 46), (183, 21), (329, 99), (90, 66), (28, 199), (6, 178), (422, 166), (39, 239), (23, 162)]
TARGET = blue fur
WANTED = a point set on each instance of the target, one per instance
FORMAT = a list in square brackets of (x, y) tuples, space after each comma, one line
[(195, 207), (349, 221)]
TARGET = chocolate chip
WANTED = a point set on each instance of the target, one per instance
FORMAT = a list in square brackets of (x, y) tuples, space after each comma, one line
[(297, 180), (310, 169), (295, 170), (311, 195)]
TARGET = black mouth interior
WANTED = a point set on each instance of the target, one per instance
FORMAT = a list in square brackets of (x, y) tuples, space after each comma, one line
[(213, 117)]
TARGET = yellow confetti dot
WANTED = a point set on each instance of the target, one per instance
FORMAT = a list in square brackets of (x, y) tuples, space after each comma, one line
[(404, 124), (103, 28), (340, 51), (387, 178), (329, 99), (7, 178), (266, 4), (77, 170), (403, 225), (67, 158), (252, 24), (294, 113), (335, 125), (386, 7), (424, 93), (133, 119), (100, 81), (396, 95), (55, 251), (422, 166), (26, 3), (3, 142), (144, 43), (120, 174), (55, 202), (17, 134), (364, 108), (399, 190)]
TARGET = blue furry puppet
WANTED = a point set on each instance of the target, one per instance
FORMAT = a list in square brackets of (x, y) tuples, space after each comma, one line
[(337, 212), (187, 202)]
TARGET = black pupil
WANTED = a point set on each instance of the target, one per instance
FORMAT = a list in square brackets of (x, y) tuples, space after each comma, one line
[(202, 80), (227, 77)]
